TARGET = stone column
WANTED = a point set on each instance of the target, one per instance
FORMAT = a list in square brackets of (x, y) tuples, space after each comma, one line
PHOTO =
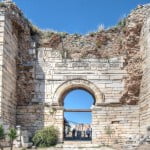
[(60, 123)]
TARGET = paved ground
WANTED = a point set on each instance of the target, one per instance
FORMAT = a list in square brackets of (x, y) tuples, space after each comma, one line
[(72, 147), (100, 148)]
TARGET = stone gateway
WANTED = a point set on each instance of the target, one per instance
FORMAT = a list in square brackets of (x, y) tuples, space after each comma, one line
[(38, 68)]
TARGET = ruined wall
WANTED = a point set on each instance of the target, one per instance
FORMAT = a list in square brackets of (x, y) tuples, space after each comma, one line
[(121, 40), (8, 71), (36, 65), (52, 71), (1, 54), (15, 42), (9, 74), (144, 104)]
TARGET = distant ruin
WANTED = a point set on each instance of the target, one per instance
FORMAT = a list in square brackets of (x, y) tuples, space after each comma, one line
[(38, 68)]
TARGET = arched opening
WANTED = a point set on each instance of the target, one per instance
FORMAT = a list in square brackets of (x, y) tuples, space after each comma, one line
[(68, 86), (78, 105)]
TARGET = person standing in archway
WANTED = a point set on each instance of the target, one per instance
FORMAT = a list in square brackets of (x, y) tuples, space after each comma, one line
[(88, 132), (73, 133)]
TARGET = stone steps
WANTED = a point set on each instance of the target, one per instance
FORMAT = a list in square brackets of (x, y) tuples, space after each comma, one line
[(79, 144), (84, 145)]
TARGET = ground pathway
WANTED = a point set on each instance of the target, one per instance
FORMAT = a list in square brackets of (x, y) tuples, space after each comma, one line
[(85, 146), (66, 148)]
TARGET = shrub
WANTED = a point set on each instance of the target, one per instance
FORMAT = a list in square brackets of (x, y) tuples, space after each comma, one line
[(122, 23), (46, 137), (2, 136), (12, 134)]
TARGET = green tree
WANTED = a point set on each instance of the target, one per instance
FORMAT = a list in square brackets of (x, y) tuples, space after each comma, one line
[(2, 136), (12, 134)]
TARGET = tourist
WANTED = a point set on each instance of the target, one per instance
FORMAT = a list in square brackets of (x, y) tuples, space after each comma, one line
[(79, 134), (88, 132), (73, 133)]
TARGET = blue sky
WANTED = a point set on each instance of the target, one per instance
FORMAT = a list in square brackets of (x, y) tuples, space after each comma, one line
[(78, 99), (76, 16)]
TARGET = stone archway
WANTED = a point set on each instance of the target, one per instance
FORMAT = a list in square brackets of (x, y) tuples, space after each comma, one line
[(64, 88)]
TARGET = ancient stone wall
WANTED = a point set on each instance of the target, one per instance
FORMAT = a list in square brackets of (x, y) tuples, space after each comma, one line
[(15, 43), (9, 49), (2, 24), (56, 76), (36, 116), (52, 71), (144, 104), (121, 121), (38, 69), (9, 74)]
